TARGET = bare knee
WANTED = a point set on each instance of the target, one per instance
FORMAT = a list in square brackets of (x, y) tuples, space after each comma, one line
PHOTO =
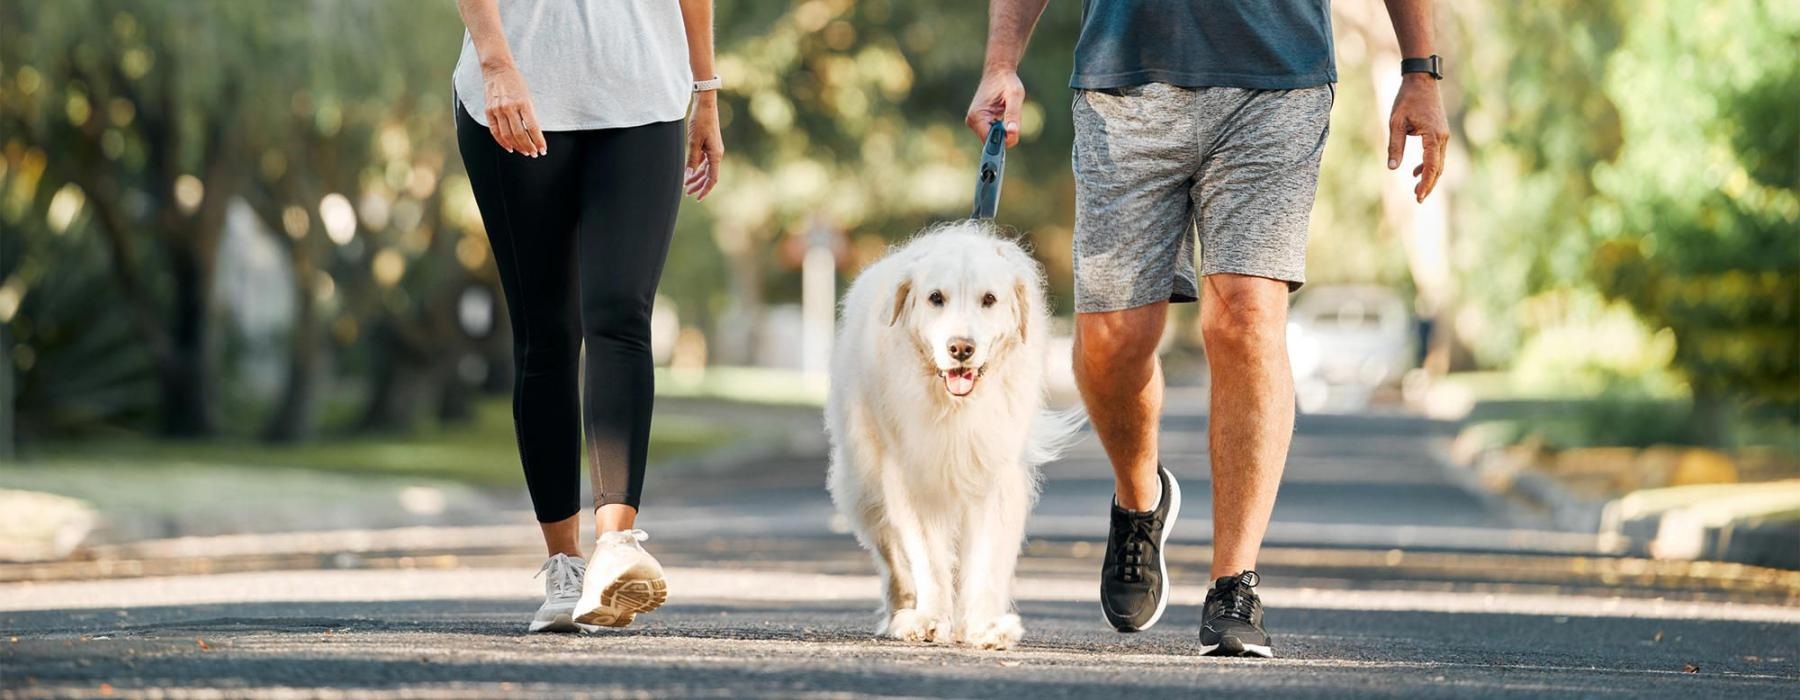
[(1118, 339), (1243, 315)]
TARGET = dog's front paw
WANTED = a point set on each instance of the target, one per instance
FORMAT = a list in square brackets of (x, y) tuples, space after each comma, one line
[(997, 633), (909, 625)]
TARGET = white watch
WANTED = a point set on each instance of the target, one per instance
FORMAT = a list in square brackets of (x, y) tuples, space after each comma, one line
[(704, 85)]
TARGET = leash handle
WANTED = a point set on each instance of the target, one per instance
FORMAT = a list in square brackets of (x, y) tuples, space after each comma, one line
[(993, 168)]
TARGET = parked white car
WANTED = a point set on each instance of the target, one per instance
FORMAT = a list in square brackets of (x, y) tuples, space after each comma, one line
[(1346, 341)]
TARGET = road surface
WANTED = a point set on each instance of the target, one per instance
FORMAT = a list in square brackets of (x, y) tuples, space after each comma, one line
[(1385, 575)]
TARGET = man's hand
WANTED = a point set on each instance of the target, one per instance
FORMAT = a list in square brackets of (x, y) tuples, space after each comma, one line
[(999, 97), (1418, 111)]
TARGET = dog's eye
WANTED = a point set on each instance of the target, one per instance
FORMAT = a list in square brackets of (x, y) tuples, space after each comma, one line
[(937, 298), (988, 300)]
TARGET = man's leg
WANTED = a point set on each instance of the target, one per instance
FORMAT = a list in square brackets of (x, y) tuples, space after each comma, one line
[(1134, 238), (1244, 320), (1122, 384)]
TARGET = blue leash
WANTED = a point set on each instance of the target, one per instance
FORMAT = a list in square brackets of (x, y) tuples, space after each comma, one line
[(993, 167)]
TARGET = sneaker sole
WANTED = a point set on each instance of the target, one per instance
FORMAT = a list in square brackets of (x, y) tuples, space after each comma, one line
[(1162, 596), (623, 600), (563, 622), (1234, 648)]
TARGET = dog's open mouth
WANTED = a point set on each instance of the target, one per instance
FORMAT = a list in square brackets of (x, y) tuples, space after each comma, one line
[(959, 381)]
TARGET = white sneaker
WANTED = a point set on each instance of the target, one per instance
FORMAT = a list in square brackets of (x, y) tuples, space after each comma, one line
[(562, 589), (622, 581)]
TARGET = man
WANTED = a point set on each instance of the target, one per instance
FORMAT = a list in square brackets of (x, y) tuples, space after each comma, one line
[(1198, 118)]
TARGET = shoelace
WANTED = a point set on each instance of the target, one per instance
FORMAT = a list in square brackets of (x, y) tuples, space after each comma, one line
[(1128, 546), (631, 537), (1236, 599), (565, 576)]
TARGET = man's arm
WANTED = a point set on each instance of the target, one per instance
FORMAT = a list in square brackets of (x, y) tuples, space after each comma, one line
[(1418, 110), (1000, 95)]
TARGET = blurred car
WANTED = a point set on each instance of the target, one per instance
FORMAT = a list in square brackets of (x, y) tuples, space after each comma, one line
[(1347, 341)]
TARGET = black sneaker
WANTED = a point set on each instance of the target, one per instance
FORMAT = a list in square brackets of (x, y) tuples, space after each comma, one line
[(1234, 619), (1134, 581)]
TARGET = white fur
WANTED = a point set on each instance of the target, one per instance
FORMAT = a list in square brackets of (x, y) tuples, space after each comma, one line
[(938, 486)]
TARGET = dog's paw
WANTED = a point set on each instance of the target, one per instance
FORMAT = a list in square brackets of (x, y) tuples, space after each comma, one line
[(910, 625), (997, 633)]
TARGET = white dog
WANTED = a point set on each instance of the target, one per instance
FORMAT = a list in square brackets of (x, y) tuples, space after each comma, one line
[(937, 424)]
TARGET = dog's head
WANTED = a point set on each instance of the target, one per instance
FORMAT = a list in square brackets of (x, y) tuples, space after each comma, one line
[(965, 301)]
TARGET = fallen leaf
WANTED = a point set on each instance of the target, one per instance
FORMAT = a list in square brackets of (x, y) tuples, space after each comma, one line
[(1690, 668), (1658, 636), (202, 644), (106, 689)]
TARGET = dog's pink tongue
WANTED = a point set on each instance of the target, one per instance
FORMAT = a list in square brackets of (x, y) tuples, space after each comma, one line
[(960, 381)]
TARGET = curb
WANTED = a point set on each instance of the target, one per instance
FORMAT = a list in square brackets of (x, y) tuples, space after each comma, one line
[(1738, 523)]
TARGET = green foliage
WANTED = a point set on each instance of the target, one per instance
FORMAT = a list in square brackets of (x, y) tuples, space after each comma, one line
[(1701, 207), (127, 130), (1536, 121)]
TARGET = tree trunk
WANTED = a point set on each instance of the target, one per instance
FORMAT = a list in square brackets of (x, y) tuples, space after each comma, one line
[(1423, 228), (736, 339), (186, 370), (1711, 421), (296, 415), (401, 384)]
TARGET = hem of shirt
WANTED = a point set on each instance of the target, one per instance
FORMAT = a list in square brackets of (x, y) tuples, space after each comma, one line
[(1108, 81), (481, 118)]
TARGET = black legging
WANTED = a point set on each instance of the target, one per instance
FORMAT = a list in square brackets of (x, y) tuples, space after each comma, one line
[(589, 221)]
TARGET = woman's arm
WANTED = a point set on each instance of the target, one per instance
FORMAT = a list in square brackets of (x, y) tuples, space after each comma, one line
[(509, 114), (706, 149)]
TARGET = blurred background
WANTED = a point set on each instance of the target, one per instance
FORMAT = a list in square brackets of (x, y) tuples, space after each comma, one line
[(240, 263)]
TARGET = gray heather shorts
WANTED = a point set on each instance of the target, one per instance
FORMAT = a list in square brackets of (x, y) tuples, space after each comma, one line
[(1155, 164)]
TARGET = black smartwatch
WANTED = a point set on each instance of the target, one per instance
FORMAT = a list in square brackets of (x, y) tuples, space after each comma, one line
[(1432, 65)]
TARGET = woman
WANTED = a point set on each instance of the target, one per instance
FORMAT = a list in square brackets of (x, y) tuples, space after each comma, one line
[(570, 125)]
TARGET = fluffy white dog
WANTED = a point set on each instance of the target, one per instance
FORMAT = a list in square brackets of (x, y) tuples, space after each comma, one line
[(937, 424)]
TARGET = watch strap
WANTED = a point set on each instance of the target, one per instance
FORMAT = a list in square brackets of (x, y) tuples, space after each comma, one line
[(1432, 65), (709, 84)]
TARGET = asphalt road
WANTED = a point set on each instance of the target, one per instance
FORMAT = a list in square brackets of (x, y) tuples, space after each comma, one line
[(1385, 576)]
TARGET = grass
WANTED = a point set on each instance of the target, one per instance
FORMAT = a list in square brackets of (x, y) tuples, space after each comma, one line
[(482, 452), (761, 385)]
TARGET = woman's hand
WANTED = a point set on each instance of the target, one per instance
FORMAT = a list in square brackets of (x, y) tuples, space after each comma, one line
[(706, 149), (509, 113)]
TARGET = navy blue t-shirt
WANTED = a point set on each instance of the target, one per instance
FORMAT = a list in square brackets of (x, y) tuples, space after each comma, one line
[(1258, 44)]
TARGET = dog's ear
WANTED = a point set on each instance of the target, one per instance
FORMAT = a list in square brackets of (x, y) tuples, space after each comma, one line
[(901, 294), (1022, 310)]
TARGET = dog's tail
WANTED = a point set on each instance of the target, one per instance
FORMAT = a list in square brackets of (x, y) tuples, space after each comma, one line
[(1052, 433)]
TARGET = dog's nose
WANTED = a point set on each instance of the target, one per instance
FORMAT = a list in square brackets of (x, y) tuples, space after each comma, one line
[(961, 349)]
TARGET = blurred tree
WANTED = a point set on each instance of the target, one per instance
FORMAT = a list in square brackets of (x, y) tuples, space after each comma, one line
[(145, 107), (1536, 121), (851, 114), (378, 144), (1702, 207), (144, 121)]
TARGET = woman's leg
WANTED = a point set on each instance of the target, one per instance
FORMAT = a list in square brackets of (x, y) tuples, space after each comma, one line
[(630, 191), (529, 207)]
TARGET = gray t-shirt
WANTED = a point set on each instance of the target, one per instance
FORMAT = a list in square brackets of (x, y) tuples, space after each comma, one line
[(590, 64), (1256, 44)]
